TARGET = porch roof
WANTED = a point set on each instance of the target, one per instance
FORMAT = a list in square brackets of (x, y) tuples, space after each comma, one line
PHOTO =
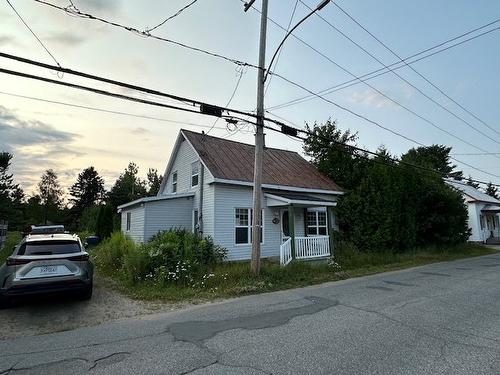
[(285, 199), (491, 208)]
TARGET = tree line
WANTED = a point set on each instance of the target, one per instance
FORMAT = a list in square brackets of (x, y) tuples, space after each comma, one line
[(389, 205), (85, 207)]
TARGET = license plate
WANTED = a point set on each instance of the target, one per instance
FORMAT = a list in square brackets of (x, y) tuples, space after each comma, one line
[(48, 270)]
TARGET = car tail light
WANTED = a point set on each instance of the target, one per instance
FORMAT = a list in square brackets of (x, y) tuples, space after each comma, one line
[(16, 262), (80, 258)]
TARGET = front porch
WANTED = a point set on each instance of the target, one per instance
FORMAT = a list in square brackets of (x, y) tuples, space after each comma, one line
[(490, 224), (306, 225)]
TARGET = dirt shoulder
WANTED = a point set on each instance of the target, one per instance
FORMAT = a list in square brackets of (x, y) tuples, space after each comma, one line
[(39, 315)]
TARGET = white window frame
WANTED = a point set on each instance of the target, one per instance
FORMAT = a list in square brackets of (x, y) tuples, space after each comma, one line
[(249, 226), (316, 224), (175, 177), (128, 219), (197, 174)]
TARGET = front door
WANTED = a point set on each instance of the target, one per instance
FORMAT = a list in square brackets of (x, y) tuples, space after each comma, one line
[(285, 226)]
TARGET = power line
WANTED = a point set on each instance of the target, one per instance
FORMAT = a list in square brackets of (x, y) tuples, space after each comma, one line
[(281, 50), (240, 73), (400, 77), (102, 92), (143, 89), (365, 151), (103, 110), (380, 125), (32, 32), (171, 17), (394, 66), (73, 11), (118, 83), (414, 70), (373, 88)]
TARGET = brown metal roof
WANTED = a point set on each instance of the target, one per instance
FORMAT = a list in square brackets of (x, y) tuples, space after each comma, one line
[(232, 160)]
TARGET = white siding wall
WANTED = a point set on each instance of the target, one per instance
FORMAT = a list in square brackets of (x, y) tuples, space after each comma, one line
[(185, 156), (136, 231), (168, 214), (227, 198), (474, 224)]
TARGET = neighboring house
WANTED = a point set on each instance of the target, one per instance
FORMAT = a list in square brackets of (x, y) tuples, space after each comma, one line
[(484, 214), (207, 188)]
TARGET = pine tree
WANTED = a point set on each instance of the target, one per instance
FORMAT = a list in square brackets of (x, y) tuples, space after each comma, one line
[(475, 185), (87, 191), (492, 191), (154, 181), (50, 193), (7, 187), (127, 187)]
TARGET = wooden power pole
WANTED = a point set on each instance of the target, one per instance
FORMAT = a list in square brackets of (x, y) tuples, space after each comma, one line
[(259, 145)]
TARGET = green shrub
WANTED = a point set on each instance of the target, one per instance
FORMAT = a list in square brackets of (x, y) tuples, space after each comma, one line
[(170, 257), (110, 254)]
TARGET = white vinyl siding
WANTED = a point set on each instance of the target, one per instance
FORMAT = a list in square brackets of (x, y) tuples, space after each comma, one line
[(184, 160), (168, 214), (136, 228), (229, 197)]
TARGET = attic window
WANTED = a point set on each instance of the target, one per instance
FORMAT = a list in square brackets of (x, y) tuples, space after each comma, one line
[(174, 182), (195, 168)]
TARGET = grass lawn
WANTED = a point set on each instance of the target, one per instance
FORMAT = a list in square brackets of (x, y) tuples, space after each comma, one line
[(234, 279), (13, 239)]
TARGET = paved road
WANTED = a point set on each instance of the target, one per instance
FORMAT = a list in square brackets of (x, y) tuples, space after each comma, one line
[(438, 319)]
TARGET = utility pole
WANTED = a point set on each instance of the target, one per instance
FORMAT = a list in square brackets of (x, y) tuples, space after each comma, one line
[(259, 144)]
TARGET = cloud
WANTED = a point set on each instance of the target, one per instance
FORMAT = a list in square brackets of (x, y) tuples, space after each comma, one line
[(36, 146), (6, 40), (65, 39), (369, 98), (139, 131), (104, 5)]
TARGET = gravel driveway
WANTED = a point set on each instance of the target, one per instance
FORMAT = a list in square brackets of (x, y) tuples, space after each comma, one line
[(38, 315)]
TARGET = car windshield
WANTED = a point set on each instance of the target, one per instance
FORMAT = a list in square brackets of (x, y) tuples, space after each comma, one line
[(49, 248)]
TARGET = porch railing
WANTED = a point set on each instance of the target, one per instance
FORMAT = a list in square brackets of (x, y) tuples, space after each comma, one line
[(286, 252), (312, 247), (305, 248)]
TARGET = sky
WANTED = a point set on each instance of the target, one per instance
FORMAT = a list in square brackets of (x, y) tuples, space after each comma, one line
[(44, 135)]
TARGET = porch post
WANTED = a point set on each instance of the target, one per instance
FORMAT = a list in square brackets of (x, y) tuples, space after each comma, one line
[(291, 225), (329, 221)]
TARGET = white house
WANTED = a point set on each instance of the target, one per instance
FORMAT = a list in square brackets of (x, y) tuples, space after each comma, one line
[(484, 214), (207, 188)]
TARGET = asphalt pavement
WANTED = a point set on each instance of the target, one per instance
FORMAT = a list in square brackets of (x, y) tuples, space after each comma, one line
[(438, 319)]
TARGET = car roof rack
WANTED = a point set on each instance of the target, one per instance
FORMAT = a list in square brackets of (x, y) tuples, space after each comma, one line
[(47, 229)]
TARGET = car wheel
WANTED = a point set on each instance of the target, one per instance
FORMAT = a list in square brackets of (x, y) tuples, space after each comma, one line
[(87, 293)]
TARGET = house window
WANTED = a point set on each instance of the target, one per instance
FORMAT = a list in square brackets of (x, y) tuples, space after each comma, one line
[(481, 221), (174, 182), (129, 220), (243, 226), (196, 227), (195, 167), (316, 223)]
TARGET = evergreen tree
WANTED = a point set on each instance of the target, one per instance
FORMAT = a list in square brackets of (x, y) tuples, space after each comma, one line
[(50, 194), (127, 187), (154, 181), (7, 186), (469, 182), (435, 157), (492, 191), (331, 155), (87, 191)]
